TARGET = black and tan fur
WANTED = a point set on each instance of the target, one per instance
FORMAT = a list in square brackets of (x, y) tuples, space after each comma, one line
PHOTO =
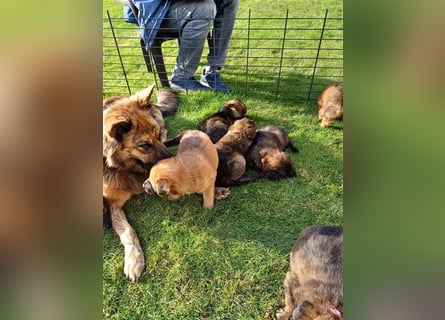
[(330, 104), (192, 170), (133, 135), (314, 285), (232, 148), (266, 154), (217, 124)]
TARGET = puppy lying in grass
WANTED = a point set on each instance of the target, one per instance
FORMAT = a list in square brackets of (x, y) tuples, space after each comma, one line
[(232, 148), (217, 124), (266, 154), (192, 170), (330, 104), (314, 285)]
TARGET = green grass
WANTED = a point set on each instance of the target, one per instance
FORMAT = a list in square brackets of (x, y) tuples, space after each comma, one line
[(229, 262)]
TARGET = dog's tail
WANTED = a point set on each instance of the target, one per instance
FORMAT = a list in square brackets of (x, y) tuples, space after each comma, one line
[(174, 141), (292, 148), (168, 101), (245, 180)]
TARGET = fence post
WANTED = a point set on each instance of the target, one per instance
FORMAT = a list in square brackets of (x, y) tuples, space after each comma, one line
[(282, 54), (247, 54), (318, 52), (118, 52)]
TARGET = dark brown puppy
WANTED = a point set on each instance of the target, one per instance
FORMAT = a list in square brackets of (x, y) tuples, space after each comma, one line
[(266, 154), (330, 104), (314, 285), (133, 135), (232, 148), (217, 124), (192, 170)]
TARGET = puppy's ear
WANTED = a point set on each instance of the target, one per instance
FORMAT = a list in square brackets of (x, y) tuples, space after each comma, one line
[(119, 127), (163, 186), (143, 96)]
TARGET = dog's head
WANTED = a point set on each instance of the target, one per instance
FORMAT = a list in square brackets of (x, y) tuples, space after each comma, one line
[(245, 127), (160, 182), (276, 164), (132, 132), (162, 187), (307, 311), (235, 109)]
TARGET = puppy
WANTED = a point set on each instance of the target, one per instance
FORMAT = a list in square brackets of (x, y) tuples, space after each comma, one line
[(314, 285), (217, 124), (266, 154), (330, 104), (232, 148), (192, 170)]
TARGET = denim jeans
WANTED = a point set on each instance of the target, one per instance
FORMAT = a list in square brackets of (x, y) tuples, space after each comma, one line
[(194, 19)]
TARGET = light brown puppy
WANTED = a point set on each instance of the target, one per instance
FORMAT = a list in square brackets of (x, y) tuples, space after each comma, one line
[(192, 170), (330, 104), (314, 285)]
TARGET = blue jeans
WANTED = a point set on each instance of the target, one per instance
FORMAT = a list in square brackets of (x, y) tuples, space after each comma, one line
[(194, 19)]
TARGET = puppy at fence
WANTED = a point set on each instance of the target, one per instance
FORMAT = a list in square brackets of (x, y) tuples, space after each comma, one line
[(330, 104), (192, 170), (314, 285), (217, 124), (266, 154)]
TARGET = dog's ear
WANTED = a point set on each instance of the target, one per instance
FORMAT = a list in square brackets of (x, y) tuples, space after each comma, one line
[(118, 128), (143, 96)]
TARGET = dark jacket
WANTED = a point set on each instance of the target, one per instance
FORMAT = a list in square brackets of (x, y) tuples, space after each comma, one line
[(150, 16)]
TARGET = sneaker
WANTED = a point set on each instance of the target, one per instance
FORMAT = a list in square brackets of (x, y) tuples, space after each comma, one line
[(212, 79), (186, 84)]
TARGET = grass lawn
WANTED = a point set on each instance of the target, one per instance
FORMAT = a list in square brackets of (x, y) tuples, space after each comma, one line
[(229, 262)]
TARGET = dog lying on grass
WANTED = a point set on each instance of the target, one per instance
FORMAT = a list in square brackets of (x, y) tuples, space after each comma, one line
[(217, 124), (232, 148), (266, 154), (314, 285), (133, 135), (192, 170), (330, 104)]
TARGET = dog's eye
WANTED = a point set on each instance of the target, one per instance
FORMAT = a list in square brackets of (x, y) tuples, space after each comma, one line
[(145, 146)]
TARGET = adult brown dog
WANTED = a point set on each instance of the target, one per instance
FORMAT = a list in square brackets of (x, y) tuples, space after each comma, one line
[(217, 124), (133, 134), (266, 154), (192, 170), (330, 104), (314, 285), (232, 148)]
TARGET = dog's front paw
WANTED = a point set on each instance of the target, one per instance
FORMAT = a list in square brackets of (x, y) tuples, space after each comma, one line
[(134, 262), (221, 193), (281, 315)]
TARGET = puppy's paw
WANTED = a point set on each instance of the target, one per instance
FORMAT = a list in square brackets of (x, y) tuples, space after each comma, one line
[(134, 262), (221, 193), (281, 315)]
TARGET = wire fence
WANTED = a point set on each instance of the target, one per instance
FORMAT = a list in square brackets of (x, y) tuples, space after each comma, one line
[(285, 58)]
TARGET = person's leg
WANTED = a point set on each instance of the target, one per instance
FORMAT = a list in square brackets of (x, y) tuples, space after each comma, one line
[(193, 20), (219, 43)]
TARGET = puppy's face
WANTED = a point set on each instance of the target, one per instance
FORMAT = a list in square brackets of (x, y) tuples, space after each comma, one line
[(236, 107), (160, 187), (276, 164)]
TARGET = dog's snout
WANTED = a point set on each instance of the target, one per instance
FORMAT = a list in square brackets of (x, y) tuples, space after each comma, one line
[(148, 187)]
